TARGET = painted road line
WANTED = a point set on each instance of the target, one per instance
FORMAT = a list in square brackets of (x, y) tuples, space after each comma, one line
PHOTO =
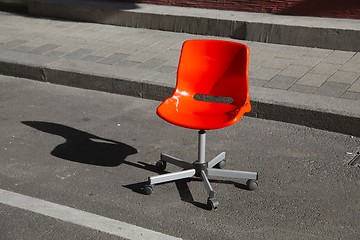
[(82, 218)]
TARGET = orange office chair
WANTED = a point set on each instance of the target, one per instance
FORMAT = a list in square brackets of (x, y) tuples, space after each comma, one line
[(211, 92)]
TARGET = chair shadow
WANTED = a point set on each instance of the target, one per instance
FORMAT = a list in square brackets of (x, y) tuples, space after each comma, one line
[(86, 148), (83, 147)]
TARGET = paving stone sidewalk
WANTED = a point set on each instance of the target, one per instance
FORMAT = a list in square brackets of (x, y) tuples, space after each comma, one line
[(151, 57), (309, 70)]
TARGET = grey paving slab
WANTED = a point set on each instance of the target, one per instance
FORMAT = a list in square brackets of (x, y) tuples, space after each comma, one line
[(265, 73), (256, 48), (312, 79), (13, 43), (25, 58), (355, 87), (132, 48), (155, 40), (61, 25), (255, 64), (281, 82), (98, 43), (173, 62), (74, 28), (291, 53), (295, 71), (177, 46), (113, 58), (257, 82), (278, 62), (55, 53), (260, 46), (325, 68), (127, 64), (307, 61), (351, 95), (86, 31), (44, 48), (67, 48), (302, 88), (91, 58), (168, 54), (319, 52), (142, 56), (263, 55), (62, 40), (344, 77), (4, 38), (355, 59), (133, 39), (22, 48), (165, 44), (166, 69), (332, 89), (79, 53), (152, 63), (105, 51), (351, 67), (338, 57)]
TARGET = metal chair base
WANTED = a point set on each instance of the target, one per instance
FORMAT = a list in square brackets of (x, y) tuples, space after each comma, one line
[(201, 169)]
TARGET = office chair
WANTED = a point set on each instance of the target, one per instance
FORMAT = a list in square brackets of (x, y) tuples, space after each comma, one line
[(211, 92)]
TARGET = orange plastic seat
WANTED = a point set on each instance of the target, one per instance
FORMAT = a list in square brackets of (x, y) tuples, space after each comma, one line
[(211, 92), (211, 68)]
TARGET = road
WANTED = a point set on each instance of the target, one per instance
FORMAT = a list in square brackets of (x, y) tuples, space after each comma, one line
[(92, 151)]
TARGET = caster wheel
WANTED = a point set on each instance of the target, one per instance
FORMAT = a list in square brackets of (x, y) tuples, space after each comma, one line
[(212, 203), (221, 164), (148, 189), (160, 165), (251, 184)]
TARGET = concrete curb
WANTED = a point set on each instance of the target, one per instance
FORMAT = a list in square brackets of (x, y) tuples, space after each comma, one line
[(332, 114), (338, 34)]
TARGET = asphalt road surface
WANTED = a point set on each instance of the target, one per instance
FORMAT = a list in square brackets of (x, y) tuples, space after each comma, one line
[(68, 152)]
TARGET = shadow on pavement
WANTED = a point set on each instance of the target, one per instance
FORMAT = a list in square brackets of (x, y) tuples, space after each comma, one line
[(83, 147)]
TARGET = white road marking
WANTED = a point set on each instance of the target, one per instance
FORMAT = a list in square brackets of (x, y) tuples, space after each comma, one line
[(81, 218)]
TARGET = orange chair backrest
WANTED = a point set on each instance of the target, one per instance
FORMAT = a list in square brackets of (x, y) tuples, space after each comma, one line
[(214, 67)]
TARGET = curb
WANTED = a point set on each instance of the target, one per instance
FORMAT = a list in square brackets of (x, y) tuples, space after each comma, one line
[(321, 112)]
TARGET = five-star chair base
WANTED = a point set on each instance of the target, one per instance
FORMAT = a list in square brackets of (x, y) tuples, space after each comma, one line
[(199, 168)]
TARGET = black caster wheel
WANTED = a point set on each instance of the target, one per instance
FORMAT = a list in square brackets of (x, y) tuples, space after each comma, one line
[(160, 165), (221, 164), (212, 203), (251, 184), (148, 189)]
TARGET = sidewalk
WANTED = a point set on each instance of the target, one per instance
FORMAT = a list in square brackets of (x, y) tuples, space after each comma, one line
[(314, 87), (329, 33)]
